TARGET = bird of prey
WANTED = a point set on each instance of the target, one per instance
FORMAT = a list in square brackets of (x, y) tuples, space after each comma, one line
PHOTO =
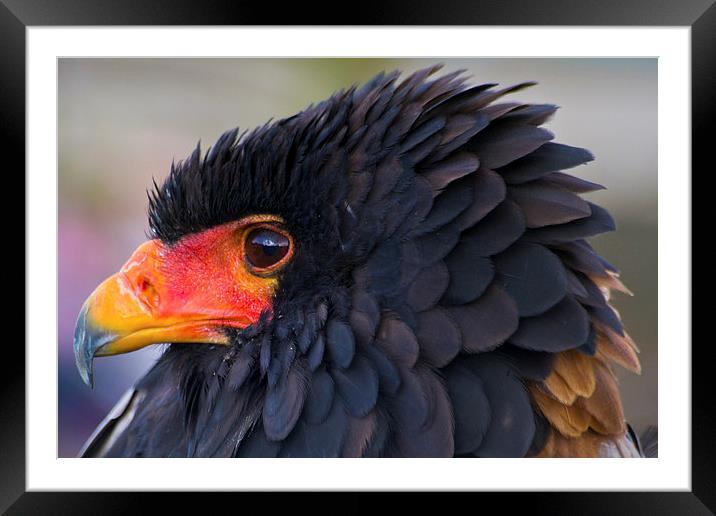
[(400, 270)]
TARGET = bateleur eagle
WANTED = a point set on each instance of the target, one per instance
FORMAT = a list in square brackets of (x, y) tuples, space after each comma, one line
[(399, 270)]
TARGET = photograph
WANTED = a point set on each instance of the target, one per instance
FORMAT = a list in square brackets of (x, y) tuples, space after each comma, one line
[(357, 257), (453, 233)]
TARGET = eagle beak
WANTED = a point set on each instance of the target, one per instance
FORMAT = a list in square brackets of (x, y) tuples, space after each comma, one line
[(148, 302)]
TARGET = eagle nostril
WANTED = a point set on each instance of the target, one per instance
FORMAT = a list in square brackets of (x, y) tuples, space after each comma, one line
[(146, 291)]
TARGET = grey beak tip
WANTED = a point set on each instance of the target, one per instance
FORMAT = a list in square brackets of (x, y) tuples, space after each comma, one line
[(82, 346), (86, 372), (87, 341), (87, 376)]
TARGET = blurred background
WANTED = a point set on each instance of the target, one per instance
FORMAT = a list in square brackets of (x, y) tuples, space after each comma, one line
[(122, 121)]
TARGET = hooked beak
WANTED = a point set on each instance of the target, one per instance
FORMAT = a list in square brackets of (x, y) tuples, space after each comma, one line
[(149, 302)]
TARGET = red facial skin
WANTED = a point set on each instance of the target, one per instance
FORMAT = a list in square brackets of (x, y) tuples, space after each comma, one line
[(188, 291)]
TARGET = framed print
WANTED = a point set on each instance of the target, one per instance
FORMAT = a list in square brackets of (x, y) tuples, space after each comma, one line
[(400, 262)]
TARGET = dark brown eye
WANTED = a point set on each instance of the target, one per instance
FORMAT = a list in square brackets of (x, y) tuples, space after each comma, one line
[(265, 248)]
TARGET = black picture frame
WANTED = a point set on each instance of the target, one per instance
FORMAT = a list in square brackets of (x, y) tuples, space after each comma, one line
[(17, 15)]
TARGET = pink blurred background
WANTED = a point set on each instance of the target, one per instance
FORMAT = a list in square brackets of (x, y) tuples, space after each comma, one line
[(122, 121)]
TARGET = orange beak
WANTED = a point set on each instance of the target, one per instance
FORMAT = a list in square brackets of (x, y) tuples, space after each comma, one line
[(190, 292)]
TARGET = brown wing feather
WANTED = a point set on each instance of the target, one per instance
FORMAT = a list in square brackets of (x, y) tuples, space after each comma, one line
[(569, 420), (558, 389), (589, 444), (577, 371), (612, 347), (580, 397)]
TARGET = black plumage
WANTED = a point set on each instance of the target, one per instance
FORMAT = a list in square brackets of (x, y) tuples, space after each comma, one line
[(473, 415), (469, 273), (439, 337), (512, 428), (316, 352), (572, 183), (436, 245), (440, 266), (546, 204), (398, 341), (504, 142), (357, 386), (565, 326), (502, 227), (532, 365), (488, 190), (319, 398), (428, 286), (599, 221), (284, 403), (448, 206), (340, 342), (487, 322), (550, 157), (533, 277), (580, 256)]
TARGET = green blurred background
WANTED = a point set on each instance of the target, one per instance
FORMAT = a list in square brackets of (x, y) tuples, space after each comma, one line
[(122, 121)]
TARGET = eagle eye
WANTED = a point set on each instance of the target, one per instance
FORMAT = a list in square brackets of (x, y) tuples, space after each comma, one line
[(266, 249)]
